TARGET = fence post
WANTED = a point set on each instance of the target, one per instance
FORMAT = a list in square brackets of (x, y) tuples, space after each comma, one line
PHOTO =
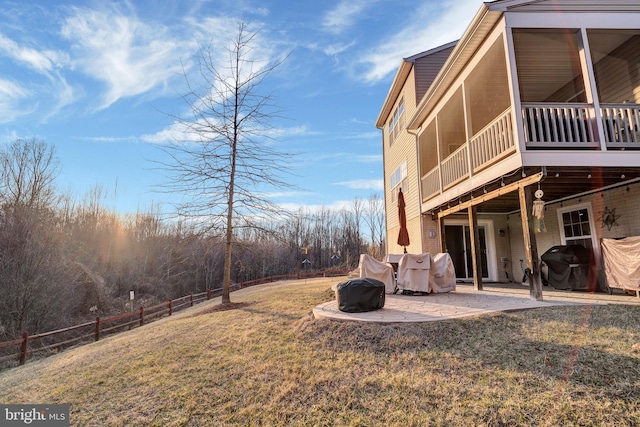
[(170, 307), (208, 294), (97, 328), (191, 299), (23, 347), (141, 316)]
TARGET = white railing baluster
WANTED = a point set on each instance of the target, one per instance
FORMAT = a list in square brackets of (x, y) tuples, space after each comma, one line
[(493, 142), (554, 125), (430, 183), (621, 123)]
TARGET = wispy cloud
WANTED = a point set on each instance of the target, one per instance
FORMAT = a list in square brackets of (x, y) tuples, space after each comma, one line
[(44, 62), (129, 56), (10, 96), (40, 61), (337, 48), (433, 24), (363, 184), (178, 132), (344, 15), (369, 158)]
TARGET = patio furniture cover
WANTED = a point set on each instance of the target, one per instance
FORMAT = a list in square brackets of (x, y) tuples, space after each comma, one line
[(413, 272), (443, 273), (374, 269), (360, 295), (621, 260)]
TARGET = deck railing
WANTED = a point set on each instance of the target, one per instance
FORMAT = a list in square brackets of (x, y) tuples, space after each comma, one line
[(431, 183), (621, 124), (455, 167), (493, 142), (561, 125)]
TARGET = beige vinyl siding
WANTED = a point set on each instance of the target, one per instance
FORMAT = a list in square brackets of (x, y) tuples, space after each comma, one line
[(403, 149)]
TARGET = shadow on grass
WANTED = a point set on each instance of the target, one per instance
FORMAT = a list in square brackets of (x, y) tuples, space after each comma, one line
[(592, 346)]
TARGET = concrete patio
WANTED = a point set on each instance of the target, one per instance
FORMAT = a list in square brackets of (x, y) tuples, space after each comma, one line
[(466, 301)]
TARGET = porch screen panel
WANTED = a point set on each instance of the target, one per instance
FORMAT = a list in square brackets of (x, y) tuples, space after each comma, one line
[(616, 64), (548, 65)]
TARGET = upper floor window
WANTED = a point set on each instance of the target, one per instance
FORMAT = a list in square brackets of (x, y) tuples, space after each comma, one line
[(397, 122), (398, 181)]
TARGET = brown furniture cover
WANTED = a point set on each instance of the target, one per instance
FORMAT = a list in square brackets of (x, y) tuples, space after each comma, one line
[(443, 273), (413, 272), (374, 269), (621, 260)]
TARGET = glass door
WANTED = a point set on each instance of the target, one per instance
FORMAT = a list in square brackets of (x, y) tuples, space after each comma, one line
[(458, 241)]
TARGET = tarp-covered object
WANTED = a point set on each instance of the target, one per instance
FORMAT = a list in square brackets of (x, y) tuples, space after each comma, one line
[(360, 295), (374, 269), (413, 272), (621, 260), (443, 273), (570, 267)]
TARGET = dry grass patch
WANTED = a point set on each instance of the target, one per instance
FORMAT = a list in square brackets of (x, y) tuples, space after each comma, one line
[(268, 362)]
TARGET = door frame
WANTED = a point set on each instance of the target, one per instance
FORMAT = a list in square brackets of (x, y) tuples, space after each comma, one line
[(492, 261)]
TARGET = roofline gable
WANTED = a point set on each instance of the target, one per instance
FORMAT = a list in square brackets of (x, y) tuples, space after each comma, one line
[(420, 55)]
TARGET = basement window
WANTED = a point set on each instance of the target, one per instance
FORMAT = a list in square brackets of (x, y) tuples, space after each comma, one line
[(576, 226)]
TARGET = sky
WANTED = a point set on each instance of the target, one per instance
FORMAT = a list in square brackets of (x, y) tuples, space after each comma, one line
[(98, 79)]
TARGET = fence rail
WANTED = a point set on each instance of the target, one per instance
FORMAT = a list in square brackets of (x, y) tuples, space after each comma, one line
[(54, 340)]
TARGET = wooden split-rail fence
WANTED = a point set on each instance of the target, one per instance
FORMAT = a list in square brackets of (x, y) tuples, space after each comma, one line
[(53, 341)]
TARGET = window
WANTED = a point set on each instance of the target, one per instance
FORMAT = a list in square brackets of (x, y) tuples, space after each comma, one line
[(397, 122), (576, 226), (399, 180)]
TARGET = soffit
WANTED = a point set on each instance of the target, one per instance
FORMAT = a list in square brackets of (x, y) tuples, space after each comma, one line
[(394, 92), (475, 34), (484, 21), (401, 77), (556, 6), (558, 184)]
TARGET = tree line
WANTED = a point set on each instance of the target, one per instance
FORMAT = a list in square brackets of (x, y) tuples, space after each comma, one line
[(64, 260)]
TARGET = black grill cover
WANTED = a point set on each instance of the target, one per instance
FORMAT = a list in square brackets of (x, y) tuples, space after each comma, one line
[(359, 295), (569, 267)]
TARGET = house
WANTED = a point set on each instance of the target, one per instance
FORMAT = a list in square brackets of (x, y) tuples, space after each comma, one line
[(537, 98)]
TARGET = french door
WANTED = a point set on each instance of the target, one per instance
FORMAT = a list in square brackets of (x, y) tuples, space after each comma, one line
[(458, 241)]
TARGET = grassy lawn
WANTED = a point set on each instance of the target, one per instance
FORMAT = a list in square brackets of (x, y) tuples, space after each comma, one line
[(269, 363)]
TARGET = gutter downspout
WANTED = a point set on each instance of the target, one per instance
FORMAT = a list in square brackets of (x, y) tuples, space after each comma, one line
[(384, 194), (416, 135)]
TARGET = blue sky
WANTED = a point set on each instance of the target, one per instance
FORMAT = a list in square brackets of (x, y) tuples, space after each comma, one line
[(93, 78)]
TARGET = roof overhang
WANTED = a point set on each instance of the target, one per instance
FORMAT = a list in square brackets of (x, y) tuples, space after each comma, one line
[(481, 25), (394, 91)]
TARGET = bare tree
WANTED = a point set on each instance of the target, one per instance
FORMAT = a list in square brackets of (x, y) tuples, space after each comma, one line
[(227, 160), (29, 256), (374, 218), (28, 169)]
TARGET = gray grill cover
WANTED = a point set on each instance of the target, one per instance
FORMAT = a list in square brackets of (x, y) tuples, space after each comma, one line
[(569, 267), (360, 295)]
